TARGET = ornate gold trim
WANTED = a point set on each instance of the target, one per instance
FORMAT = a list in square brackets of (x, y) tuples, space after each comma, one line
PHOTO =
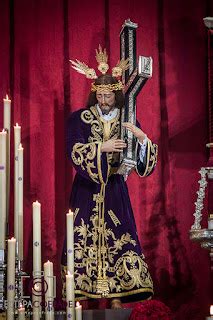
[(113, 217), (112, 295), (154, 156), (147, 158), (85, 158), (107, 87), (87, 116), (99, 165), (151, 158)]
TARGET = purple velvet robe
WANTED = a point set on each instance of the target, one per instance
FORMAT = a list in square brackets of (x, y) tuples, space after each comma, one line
[(108, 258)]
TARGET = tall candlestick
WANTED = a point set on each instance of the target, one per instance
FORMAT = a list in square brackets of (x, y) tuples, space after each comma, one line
[(17, 141), (7, 125), (70, 242), (11, 278), (21, 313), (20, 202), (3, 188), (37, 258), (70, 296), (49, 292), (78, 311)]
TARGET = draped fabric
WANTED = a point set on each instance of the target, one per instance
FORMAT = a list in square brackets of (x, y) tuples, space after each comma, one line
[(37, 40)]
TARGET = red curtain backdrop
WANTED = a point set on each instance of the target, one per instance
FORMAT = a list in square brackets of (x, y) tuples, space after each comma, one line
[(37, 40)]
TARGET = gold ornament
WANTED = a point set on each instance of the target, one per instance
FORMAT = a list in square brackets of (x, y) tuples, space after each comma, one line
[(121, 66), (104, 87), (82, 68), (103, 67), (102, 58)]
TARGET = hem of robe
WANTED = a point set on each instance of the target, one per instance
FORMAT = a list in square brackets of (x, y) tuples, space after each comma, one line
[(130, 296)]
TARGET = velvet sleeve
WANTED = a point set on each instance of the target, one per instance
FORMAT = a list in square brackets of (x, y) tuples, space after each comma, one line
[(146, 167), (86, 156)]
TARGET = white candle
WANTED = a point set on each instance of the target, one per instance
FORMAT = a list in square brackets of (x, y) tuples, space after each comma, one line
[(78, 311), (70, 242), (211, 314), (21, 313), (11, 278), (17, 141), (36, 292), (70, 296), (37, 257), (7, 125), (20, 201), (210, 222), (36, 236), (3, 188), (7, 113), (49, 290)]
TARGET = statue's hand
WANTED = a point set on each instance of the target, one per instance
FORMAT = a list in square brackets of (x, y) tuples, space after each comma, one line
[(138, 133), (113, 145)]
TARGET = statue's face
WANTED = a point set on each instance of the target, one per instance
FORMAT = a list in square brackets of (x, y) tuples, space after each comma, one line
[(106, 100)]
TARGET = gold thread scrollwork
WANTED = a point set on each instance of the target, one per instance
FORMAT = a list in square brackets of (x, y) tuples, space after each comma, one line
[(87, 116), (90, 116), (115, 272), (83, 155)]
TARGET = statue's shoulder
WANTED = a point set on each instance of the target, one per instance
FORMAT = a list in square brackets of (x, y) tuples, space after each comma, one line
[(75, 115), (88, 115), (85, 115)]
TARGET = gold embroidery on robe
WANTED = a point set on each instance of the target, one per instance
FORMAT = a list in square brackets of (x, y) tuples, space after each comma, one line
[(98, 134), (84, 155), (129, 271), (115, 220), (105, 271)]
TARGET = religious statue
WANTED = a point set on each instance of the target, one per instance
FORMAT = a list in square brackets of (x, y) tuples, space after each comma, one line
[(108, 258)]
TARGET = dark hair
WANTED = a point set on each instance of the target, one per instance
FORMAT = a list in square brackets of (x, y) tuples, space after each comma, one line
[(107, 79)]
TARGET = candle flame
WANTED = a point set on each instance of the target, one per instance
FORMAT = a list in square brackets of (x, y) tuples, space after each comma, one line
[(7, 98), (36, 287), (77, 304), (211, 310), (70, 212), (17, 124), (69, 274)]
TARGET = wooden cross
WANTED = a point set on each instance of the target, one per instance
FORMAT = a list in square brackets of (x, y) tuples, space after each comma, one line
[(134, 78)]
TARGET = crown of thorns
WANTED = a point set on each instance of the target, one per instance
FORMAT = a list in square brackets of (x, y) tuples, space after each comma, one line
[(103, 67)]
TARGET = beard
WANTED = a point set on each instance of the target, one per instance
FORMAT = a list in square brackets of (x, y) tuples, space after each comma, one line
[(106, 108)]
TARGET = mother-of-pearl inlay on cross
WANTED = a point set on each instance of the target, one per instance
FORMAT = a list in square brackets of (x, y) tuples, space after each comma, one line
[(134, 78)]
